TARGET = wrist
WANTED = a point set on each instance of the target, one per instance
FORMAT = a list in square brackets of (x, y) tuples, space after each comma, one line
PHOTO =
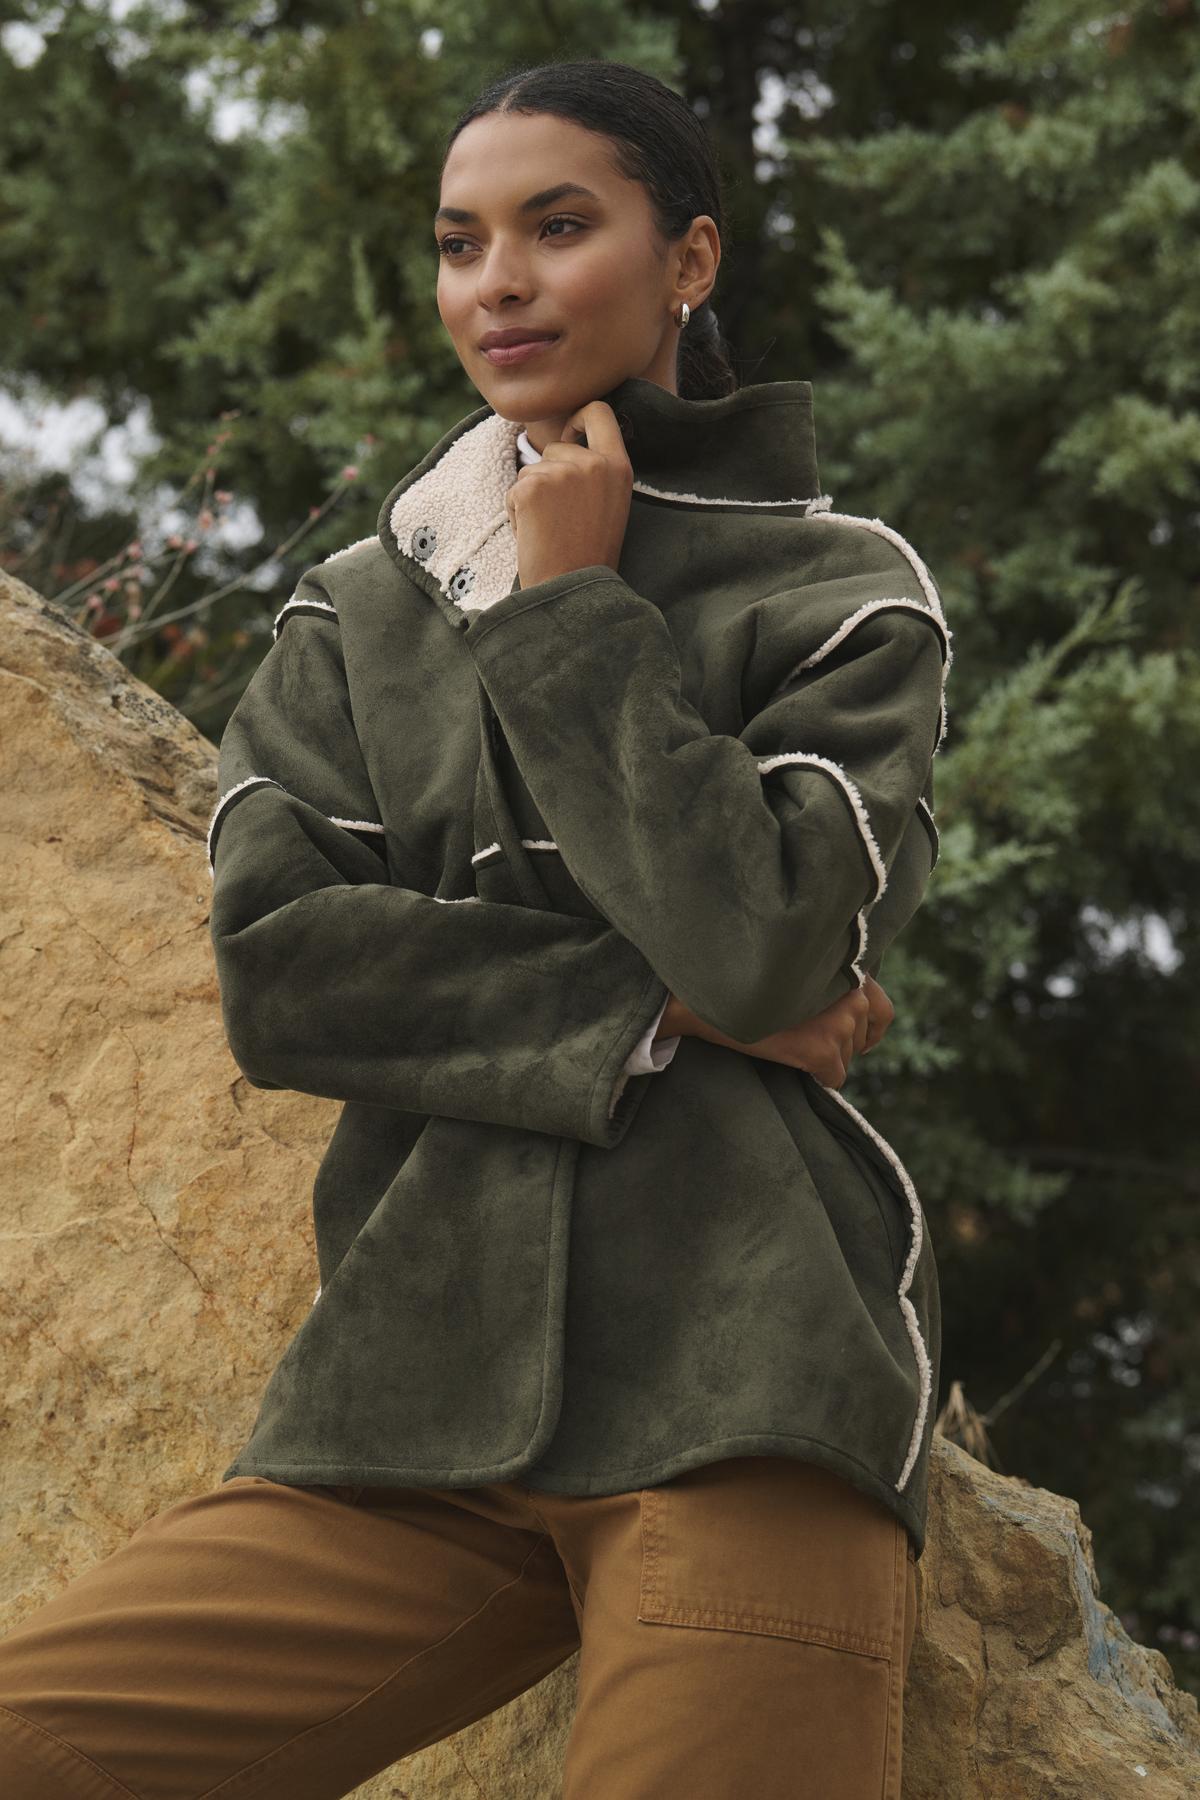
[(675, 1021)]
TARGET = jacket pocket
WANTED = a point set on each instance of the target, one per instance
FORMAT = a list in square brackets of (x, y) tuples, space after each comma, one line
[(838, 1153), (776, 1547), (877, 1175)]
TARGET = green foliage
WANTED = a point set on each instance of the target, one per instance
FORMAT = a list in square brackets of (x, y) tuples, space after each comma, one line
[(1014, 296), (976, 235)]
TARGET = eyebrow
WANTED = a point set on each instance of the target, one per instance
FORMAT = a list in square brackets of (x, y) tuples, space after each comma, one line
[(534, 203)]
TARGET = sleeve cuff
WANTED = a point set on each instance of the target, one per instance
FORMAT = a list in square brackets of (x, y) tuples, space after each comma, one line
[(646, 1057)]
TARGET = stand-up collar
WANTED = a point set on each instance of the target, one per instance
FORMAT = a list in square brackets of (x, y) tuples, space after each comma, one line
[(446, 524), (756, 445)]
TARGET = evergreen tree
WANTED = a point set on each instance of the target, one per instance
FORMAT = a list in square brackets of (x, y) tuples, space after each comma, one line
[(1017, 303)]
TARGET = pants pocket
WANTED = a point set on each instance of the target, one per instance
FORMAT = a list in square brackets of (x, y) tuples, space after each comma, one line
[(774, 1546)]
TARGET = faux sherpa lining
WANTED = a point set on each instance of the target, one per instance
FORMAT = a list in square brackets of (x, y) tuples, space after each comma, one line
[(474, 563)]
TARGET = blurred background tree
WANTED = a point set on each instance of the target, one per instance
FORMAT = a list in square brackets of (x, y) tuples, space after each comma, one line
[(974, 229)]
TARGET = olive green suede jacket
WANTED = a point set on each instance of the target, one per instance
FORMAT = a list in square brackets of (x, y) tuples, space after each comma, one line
[(468, 837)]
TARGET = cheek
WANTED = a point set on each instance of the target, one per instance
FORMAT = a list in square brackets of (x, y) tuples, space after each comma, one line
[(601, 286)]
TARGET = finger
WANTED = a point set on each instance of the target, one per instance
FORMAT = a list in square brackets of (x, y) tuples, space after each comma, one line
[(597, 422)]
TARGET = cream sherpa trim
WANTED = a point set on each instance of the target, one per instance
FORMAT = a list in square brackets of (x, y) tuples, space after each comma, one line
[(861, 816), (297, 602), (348, 549), (814, 502), (854, 619), (861, 819), (928, 588), (906, 1305), (494, 850), (226, 797), (925, 807), (902, 544), (270, 781)]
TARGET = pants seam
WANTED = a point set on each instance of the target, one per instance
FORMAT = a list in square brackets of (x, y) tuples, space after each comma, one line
[(214, 1793), (895, 1692), (578, 1597), (117, 1787)]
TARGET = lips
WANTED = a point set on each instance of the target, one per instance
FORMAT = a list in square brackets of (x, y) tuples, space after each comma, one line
[(505, 340), (524, 350)]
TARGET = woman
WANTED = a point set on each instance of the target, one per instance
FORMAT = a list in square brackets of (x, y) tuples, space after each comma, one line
[(561, 833)]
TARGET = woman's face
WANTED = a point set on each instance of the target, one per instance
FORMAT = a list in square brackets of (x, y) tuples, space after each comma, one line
[(588, 266)]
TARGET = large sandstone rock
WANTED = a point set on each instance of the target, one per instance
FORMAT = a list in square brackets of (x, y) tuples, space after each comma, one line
[(159, 1255)]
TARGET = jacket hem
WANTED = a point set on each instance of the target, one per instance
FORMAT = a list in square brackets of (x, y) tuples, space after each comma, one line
[(608, 1481)]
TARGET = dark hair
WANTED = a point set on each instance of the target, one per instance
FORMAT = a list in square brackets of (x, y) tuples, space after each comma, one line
[(657, 140)]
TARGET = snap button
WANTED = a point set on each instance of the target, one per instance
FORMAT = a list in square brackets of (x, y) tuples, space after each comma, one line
[(424, 542), (461, 582)]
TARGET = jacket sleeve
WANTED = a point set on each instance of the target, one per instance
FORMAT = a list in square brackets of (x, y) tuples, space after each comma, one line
[(647, 1057), (746, 867), (336, 981)]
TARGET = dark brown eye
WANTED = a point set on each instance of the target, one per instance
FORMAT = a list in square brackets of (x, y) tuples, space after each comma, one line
[(554, 219)]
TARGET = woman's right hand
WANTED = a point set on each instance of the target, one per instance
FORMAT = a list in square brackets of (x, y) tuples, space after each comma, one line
[(824, 1046)]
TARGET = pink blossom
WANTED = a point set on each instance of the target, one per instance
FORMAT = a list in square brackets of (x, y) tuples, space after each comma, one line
[(350, 472)]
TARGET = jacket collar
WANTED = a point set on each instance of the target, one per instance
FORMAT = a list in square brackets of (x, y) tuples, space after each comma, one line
[(446, 525)]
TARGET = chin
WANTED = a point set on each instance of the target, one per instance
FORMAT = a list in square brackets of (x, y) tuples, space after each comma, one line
[(520, 412)]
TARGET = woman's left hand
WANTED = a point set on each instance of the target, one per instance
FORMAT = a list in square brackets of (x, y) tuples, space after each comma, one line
[(570, 510)]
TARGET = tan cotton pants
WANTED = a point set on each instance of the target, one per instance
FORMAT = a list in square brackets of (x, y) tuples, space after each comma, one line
[(743, 1629)]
